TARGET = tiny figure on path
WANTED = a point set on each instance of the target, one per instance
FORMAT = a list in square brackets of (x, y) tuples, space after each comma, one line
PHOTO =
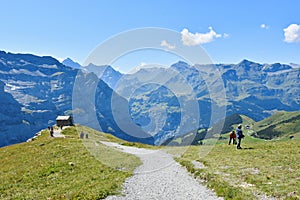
[(51, 131), (81, 135), (232, 137), (240, 136)]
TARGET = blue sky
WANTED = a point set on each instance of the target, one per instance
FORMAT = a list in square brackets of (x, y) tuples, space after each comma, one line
[(238, 30)]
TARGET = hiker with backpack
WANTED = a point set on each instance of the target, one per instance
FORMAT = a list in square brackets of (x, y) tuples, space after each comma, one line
[(240, 136)]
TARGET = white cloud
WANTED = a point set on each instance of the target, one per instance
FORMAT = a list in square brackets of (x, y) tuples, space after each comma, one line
[(164, 43), (226, 35), (264, 26), (193, 39), (292, 33)]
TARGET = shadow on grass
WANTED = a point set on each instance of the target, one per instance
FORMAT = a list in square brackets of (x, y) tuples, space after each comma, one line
[(248, 148)]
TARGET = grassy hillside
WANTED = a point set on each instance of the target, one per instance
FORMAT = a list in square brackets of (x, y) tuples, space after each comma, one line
[(73, 168), (219, 131), (262, 167), (281, 124), (64, 168)]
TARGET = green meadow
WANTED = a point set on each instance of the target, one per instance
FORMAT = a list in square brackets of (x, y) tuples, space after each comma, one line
[(74, 168), (270, 168), (64, 168)]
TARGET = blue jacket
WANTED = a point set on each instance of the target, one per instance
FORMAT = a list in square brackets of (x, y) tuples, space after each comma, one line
[(239, 133)]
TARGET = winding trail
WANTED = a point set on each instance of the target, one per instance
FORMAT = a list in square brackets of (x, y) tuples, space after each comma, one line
[(159, 177)]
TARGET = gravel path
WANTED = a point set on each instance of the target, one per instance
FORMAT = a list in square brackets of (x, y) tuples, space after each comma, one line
[(57, 133), (160, 177)]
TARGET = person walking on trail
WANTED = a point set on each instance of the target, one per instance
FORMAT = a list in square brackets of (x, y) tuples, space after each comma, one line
[(51, 131), (232, 137), (240, 136)]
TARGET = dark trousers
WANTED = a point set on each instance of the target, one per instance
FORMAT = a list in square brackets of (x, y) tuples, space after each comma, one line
[(238, 146), (233, 141)]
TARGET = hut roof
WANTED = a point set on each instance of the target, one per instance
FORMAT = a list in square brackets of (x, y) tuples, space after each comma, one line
[(63, 117)]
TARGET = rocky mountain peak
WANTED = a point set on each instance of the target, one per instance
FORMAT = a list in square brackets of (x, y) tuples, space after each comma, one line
[(70, 63), (276, 67), (249, 65)]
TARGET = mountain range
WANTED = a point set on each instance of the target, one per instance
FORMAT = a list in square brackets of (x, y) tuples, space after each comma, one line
[(150, 106)]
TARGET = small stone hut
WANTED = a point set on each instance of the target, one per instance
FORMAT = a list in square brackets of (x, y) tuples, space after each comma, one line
[(64, 121)]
